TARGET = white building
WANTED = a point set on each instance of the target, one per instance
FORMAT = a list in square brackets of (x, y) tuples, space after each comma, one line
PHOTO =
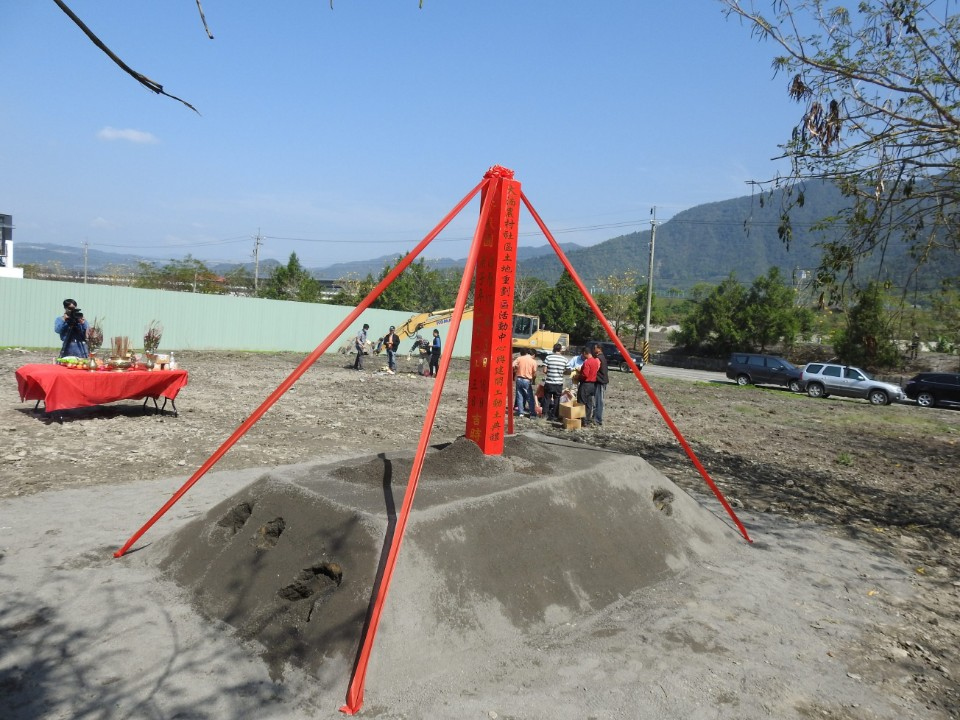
[(7, 266)]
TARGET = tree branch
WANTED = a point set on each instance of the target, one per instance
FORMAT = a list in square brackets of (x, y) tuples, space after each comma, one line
[(151, 85)]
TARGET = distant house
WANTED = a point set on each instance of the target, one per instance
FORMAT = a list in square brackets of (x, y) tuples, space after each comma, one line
[(7, 267)]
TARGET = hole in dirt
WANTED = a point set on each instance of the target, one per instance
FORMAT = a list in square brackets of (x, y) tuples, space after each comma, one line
[(237, 517), (315, 580), (663, 500), (269, 534)]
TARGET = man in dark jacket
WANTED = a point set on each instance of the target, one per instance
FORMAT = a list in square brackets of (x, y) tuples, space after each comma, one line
[(603, 377), (391, 341), (586, 391)]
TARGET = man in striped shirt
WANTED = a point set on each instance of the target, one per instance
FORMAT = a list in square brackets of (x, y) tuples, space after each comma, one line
[(554, 365)]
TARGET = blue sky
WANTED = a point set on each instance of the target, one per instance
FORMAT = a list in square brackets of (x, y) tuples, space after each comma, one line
[(349, 133)]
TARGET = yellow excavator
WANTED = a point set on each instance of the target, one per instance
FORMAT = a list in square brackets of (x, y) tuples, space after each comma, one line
[(527, 332)]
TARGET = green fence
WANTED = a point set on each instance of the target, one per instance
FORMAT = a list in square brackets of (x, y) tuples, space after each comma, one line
[(190, 321)]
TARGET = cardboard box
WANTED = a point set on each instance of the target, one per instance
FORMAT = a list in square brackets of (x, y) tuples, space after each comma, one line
[(573, 410), (572, 423)]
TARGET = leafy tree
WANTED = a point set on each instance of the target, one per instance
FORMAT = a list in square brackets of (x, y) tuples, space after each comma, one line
[(880, 117), (291, 282), (564, 309), (187, 275), (714, 326), (769, 313), (868, 338), (730, 317), (946, 314), (419, 288)]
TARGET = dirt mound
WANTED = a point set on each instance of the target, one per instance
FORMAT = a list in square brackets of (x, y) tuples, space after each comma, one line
[(491, 550)]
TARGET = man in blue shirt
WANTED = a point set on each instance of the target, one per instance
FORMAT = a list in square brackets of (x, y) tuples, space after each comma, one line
[(72, 329)]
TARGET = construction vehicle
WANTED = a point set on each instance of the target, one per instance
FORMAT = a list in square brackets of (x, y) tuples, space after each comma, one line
[(428, 321), (527, 333)]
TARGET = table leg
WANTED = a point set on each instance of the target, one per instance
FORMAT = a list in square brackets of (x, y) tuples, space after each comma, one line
[(173, 404)]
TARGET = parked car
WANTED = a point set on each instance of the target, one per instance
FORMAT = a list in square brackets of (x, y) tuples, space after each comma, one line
[(614, 358), (825, 379), (932, 389), (753, 369)]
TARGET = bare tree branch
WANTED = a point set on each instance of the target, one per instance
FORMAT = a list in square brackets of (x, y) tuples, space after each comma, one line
[(139, 77), (203, 19)]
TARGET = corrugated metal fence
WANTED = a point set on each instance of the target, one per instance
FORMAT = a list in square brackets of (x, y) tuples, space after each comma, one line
[(190, 321)]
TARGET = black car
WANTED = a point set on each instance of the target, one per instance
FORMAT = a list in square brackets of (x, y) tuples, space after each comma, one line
[(755, 369), (614, 358), (931, 389)]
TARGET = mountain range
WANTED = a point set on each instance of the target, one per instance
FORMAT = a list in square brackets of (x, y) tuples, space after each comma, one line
[(703, 244)]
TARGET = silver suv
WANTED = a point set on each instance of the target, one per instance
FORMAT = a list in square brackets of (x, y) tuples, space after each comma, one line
[(825, 379)]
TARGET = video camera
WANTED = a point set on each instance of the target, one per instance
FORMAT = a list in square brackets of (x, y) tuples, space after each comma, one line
[(74, 317)]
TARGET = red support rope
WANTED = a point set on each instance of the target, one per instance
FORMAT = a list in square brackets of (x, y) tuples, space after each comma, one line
[(636, 371), (354, 700), (302, 368)]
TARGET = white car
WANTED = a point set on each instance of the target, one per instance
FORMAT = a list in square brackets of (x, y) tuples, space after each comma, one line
[(825, 379)]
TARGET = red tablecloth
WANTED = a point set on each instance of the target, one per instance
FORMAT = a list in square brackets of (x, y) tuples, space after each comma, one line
[(61, 388)]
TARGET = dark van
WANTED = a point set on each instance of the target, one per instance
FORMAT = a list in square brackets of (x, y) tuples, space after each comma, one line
[(753, 369)]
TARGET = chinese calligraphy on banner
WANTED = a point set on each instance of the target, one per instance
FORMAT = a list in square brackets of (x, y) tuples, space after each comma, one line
[(490, 387)]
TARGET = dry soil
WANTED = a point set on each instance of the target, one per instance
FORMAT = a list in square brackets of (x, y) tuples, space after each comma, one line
[(885, 480)]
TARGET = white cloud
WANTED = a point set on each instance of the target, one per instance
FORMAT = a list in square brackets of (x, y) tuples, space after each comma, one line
[(134, 136), (101, 223)]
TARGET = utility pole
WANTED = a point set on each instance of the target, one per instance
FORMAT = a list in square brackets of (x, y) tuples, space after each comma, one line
[(85, 246), (646, 324), (256, 262)]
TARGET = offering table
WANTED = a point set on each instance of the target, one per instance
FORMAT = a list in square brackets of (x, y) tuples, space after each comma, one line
[(62, 388)]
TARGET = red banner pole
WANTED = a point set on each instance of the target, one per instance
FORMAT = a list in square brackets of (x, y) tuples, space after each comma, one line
[(302, 368), (354, 700), (489, 387), (636, 371)]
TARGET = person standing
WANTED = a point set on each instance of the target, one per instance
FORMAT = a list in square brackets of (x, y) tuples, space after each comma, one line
[(554, 366), (72, 329), (435, 350), (586, 393), (603, 377), (576, 361), (525, 372), (391, 341), (360, 342)]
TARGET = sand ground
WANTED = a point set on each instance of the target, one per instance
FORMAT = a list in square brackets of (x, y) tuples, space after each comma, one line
[(829, 613)]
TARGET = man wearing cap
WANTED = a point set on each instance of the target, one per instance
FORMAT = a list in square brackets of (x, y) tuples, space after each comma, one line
[(391, 341), (360, 343)]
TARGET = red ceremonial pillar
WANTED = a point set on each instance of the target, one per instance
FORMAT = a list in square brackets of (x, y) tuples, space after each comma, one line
[(489, 389)]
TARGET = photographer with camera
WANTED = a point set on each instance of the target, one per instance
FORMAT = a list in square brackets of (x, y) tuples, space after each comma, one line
[(72, 329)]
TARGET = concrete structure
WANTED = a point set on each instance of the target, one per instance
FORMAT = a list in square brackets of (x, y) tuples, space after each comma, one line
[(7, 267)]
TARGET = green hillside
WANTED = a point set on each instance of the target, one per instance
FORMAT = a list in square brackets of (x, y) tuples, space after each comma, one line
[(708, 242)]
